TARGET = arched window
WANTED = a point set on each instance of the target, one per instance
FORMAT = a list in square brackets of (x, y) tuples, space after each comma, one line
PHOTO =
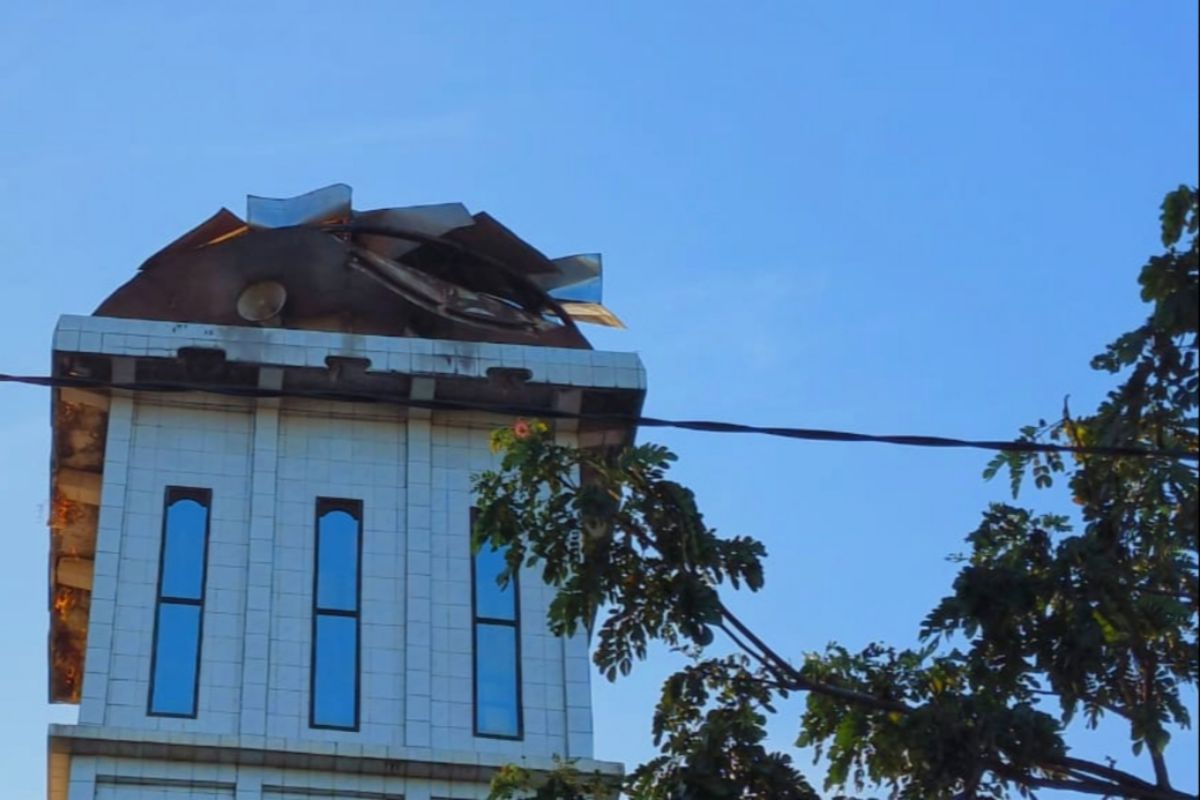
[(179, 615), (335, 635), (496, 645)]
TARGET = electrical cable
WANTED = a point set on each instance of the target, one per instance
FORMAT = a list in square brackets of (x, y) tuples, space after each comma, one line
[(707, 426)]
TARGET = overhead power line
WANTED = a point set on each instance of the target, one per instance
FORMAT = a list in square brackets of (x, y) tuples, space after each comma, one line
[(707, 426)]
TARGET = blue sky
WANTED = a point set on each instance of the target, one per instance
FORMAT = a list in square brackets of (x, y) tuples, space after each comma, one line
[(892, 218)]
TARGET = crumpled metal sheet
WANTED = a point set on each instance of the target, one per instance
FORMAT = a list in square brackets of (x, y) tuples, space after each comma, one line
[(432, 220), (443, 297), (578, 279), (579, 284), (435, 271), (487, 235), (320, 205), (593, 313)]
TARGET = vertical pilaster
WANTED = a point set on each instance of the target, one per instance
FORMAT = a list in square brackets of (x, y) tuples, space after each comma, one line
[(578, 695), (259, 565), (109, 530), (575, 665), (417, 591)]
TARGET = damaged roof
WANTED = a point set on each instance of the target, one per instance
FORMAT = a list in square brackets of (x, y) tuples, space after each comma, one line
[(313, 262)]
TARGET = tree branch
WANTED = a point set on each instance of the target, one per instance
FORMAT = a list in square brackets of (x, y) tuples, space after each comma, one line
[(745, 648), (1115, 782), (1101, 770), (1120, 784), (1087, 786), (789, 674), (1160, 768)]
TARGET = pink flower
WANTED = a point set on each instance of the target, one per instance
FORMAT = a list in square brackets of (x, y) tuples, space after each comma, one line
[(522, 429)]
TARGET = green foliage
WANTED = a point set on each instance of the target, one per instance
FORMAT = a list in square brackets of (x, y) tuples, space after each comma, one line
[(626, 540), (958, 723), (564, 782), (709, 726), (1046, 618)]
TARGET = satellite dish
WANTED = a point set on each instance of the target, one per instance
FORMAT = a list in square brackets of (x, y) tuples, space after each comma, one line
[(261, 302)]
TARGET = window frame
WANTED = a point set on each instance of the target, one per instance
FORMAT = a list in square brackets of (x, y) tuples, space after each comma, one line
[(172, 495), (354, 508), (515, 623)]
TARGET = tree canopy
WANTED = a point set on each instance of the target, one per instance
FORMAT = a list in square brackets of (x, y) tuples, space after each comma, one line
[(1051, 615)]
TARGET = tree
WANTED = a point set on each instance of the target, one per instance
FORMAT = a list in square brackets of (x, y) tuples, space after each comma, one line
[(1047, 618)]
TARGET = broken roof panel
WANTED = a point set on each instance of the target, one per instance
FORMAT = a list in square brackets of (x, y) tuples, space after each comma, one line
[(432, 220), (435, 271), (220, 225), (320, 205), (578, 279)]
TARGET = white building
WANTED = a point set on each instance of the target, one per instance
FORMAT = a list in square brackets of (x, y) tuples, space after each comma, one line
[(265, 590)]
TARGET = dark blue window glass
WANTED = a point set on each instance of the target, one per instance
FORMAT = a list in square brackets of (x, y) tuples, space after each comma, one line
[(334, 702), (337, 561), (183, 549), (179, 617), (491, 600), (497, 646), (175, 663), (496, 712), (335, 671)]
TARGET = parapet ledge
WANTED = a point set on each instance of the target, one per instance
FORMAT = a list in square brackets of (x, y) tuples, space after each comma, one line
[(350, 757), (135, 338)]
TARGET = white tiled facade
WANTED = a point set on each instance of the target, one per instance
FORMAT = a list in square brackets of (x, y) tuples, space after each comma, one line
[(266, 461)]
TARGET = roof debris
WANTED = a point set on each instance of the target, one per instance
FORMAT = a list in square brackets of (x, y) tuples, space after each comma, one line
[(313, 262)]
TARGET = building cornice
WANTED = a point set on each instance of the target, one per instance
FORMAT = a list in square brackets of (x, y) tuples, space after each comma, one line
[(278, 753)]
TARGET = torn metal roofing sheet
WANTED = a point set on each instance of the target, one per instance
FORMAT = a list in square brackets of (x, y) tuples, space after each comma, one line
[(311, 261), (320, 205)]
